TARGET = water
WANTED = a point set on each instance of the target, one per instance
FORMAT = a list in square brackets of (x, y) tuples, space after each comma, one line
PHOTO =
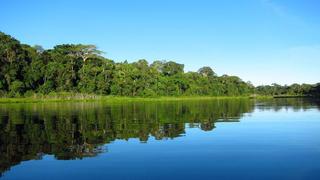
[(207, 139)]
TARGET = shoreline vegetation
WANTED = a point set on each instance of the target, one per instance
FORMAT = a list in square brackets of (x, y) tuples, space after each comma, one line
[(78, 97), (79, 72), (111, 99)]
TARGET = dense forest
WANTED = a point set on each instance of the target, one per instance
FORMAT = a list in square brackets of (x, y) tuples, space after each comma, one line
[(27, 70)]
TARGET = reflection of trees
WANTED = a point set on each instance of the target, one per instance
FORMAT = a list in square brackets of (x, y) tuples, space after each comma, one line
[(295, 104), (71, 131), (77, 130)]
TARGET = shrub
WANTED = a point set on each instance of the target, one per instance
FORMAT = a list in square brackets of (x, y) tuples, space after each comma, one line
[(16, 88), (46, 88), (29, 93)]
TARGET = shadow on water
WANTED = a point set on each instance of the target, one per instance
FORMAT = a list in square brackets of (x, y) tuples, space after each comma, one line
[(77, 130)]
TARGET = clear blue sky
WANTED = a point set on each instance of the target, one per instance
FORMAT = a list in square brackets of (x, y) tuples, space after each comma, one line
[(263, 41)]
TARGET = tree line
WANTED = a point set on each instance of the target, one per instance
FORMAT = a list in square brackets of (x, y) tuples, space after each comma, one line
[(294, 89), (26, 70)]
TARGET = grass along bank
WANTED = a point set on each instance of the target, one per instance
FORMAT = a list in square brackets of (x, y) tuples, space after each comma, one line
[(76, 97)]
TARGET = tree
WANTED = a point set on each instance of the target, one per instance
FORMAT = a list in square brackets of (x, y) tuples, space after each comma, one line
[(39, 49), (95, 77), (171, 68), (10, 49), (86, 51), (16, 88), (206, 71), (13, 60)]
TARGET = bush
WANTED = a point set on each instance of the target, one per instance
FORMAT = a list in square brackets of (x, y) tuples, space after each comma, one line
[(3, 93), (29, 93), (46, 88), (1, 85), (16, 88), (149, 93)]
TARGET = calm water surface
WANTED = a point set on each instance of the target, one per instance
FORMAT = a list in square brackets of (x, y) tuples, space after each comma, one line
[(208, 139)]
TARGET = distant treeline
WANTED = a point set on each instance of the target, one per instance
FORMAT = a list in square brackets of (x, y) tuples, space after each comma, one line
[(292, 90), (26, 70)]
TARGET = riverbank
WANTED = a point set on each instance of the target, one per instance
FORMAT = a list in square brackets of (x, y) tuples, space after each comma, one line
[(88, 98), (78, 97)]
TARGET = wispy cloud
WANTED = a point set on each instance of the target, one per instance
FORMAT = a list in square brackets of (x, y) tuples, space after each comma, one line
[(282, 11)]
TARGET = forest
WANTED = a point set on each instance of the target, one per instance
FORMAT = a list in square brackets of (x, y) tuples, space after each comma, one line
[(27, 70)]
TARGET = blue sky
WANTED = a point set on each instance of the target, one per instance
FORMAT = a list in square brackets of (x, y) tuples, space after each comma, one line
[(263, 41)]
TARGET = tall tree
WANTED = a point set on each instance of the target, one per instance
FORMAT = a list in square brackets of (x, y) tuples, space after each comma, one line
[(206, 71)]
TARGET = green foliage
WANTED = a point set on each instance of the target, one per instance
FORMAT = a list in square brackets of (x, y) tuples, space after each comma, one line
[(206, 71), (46, 88), (171, 68), (29, 93), (79, 68), (16, 88), (292, 90)]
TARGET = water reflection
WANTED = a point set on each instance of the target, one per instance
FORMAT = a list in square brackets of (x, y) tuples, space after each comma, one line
[(77, 130), (296, 104)]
